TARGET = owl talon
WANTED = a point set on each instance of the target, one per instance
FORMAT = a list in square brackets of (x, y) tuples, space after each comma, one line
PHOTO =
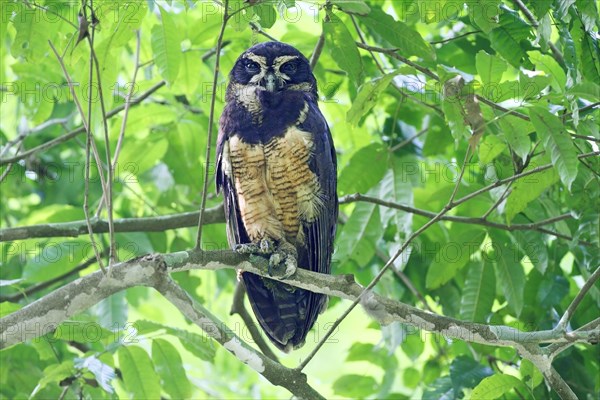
[(265, 246), (282, 263), (248, 248)]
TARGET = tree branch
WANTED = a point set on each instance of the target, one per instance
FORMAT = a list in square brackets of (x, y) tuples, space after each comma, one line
[(42, 316), (211, 118), (147, 224), (562, 324), (32, 320)]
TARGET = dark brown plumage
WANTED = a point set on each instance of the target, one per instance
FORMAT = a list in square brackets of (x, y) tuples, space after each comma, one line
[(276, 166)]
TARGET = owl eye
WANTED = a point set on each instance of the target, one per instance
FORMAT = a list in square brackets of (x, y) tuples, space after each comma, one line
[(289, 68), (251, 66)]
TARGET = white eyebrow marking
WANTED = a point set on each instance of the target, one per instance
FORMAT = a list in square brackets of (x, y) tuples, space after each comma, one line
[(260, 60), (279, 61)]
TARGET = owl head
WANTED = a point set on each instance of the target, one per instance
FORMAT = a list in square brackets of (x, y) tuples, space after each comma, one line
[(273, 67)]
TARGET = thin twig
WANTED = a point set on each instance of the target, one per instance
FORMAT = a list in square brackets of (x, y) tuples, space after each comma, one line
[(408, 140), (50, 11), (256, 28), (43, 285), (394, 54), (454, 38), (125, 115), (534, 22), (502, 197), (211, 119), (363, 42), (317, 51), (112, 257), (405, 279), (562, 324), (86, 123)]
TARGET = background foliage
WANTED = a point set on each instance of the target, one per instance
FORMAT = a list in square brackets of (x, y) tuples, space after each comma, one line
[(514, 83)]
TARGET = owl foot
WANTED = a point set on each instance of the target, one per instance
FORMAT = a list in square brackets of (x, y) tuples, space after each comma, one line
[(265, 246), (282, 263)]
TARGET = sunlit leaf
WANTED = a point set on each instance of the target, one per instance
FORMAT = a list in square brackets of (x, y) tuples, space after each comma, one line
[(355, 386), (139, 376), (343, 48), (367, 97), (496, 386), (479, 292), (169, 366), (557, 142), (408, 41), (166, 47)]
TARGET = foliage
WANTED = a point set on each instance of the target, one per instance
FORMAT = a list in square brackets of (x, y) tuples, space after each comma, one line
[(404, 84)]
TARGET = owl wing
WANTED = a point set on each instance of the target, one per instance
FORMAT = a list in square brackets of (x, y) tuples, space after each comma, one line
[(236, 233)]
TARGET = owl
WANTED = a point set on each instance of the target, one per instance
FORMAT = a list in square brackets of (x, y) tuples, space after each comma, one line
[(276, 167)]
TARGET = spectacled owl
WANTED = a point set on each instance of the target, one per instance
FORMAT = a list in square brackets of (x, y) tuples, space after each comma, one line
[(276, 167)]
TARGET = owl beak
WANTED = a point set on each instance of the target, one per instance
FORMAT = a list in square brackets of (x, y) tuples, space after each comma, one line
[(270, 81)]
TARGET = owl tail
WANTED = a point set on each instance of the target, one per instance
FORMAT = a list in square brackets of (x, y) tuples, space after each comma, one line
[(284, 312)]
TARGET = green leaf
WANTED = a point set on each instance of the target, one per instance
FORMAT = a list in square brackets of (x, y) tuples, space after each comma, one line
[(169, 366), (267, 15), (356, 386), (552, 290), (479, 292), (342, 47), (490, 148), (51, 259), (139, 376), (589, 14), (54, 374), (533, 246), (453, 255), (541, 7), (528, 370), (408, 41), (485, 14), (557, 142), (440, 389), (359, 234), (199, 345), (496, 386), (353, 179), (509, 271), (396, 186), (515, 131), (358, 7), (588, 52), (33, 32), (506, 40), (490, 68), (112, 311), (166, 47), (587, 90), (367, 97), (82, 332), (190, 73), (550, 68), (528, 189), (467, 373)]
